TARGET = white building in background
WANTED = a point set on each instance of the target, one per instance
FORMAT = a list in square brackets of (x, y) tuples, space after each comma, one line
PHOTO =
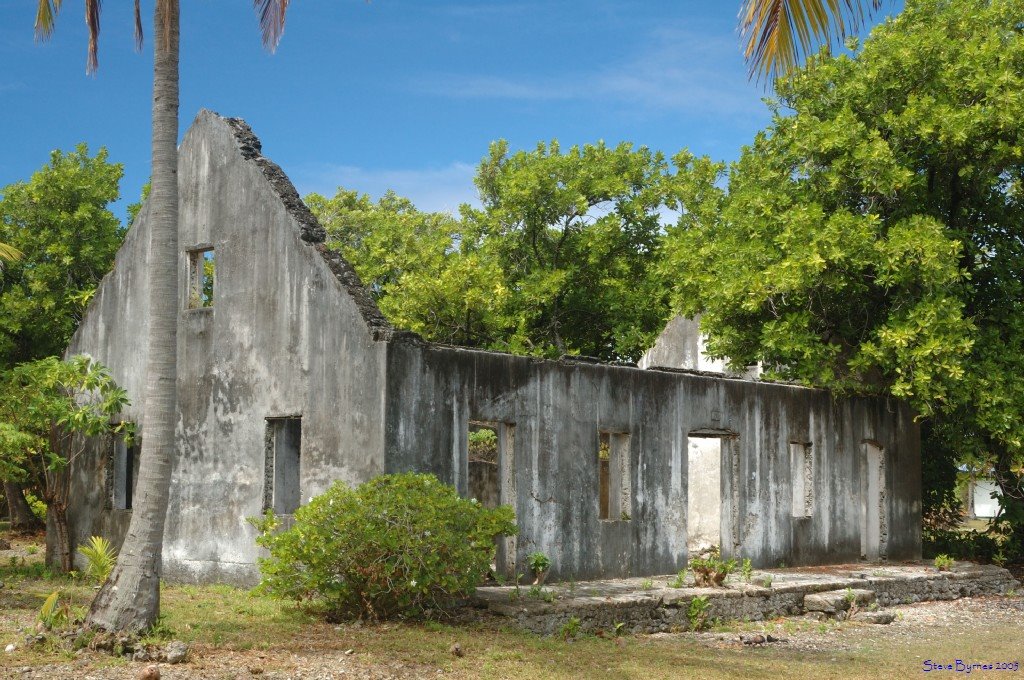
[(980, 501), (682, 345)]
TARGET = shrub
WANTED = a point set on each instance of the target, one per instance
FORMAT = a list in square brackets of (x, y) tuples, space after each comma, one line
[(538, 562), (396, 546), (710, 571), (944, 562), (747, 570), (697, 612)]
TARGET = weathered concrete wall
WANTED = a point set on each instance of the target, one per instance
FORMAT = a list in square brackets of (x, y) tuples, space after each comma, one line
[(113, 331), (283, 337), (757, 494), (559, 409)]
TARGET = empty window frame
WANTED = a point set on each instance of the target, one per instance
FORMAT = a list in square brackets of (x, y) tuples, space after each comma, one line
[(201, 277), (125, 471), (615, 489), (281, 489), (801, 467)]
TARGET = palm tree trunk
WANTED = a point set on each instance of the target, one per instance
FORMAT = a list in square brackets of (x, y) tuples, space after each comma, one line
[(22, 518), (129, 601)]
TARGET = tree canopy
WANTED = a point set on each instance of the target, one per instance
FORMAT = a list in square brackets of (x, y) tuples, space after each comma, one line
[(561, 257), (872, 237), (61, 222), (48, 410)]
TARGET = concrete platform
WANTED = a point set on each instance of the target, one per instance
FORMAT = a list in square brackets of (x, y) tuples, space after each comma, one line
[(651, 605)]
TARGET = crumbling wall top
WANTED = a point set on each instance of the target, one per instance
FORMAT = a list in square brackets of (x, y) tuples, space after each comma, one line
[(310, 229)]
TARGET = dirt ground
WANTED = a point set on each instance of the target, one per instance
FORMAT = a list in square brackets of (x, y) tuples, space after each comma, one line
[(235, 634), (862, 650)]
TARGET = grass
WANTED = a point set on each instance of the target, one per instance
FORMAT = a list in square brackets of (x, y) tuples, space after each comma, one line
[(221, 620)]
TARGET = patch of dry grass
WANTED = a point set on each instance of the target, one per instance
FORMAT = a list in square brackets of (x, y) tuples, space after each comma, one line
[(228, 623)]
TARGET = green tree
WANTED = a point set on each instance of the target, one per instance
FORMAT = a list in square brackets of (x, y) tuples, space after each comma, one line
[(48, 409), (130, 598), (414, 266), (871, 237), (576, 235), (61, 223), (558, 260)]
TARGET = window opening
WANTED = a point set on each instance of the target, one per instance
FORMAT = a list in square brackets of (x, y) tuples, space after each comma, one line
[(201, 268), (482, 439), (492, 477), (801, 462), (874, 526), (126, 471), (615, 492)]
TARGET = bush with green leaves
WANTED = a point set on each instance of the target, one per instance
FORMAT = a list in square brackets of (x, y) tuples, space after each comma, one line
[(538, 562), (697, 612), (393, 547), (709, 570)]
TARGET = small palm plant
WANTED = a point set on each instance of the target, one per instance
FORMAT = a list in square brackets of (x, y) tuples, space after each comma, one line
[(100, 557)]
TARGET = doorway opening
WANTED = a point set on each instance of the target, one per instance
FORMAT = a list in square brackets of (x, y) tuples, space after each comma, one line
[(704, 492), (491, 476), (281, 475)]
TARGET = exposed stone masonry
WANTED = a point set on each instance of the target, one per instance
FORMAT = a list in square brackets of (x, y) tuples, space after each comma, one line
[(602, 605)]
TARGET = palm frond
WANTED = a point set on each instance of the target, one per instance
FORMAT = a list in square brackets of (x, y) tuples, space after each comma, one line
[(779, 34), (271, 14), (92, 21), (138, 27), (9, 253), (46, 15)]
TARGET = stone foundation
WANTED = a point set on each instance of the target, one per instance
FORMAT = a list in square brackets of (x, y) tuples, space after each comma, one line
[(651, 606)]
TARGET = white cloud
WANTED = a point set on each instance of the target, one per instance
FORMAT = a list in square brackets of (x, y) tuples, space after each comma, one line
[(439, 189), (678, 71)]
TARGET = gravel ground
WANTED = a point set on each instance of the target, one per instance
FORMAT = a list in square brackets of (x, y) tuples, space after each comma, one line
[(922, 622)]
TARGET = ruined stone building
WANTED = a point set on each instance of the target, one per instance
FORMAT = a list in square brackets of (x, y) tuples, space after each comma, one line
[(289, 378)]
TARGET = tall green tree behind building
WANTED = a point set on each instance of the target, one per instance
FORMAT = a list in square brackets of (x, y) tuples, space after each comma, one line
[(61, 222), (560, 259), (872, 238)]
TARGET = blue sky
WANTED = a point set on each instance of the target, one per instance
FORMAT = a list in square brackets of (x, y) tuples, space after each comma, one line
[(402, 94)]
